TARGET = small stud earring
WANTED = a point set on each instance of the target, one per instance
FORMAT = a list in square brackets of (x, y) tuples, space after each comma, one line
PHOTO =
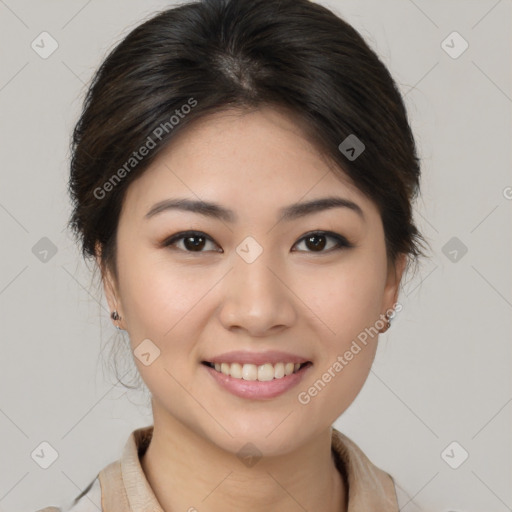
[(388, 323), (116, 317)]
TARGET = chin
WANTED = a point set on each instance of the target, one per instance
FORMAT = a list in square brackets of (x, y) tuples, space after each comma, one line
[(279, 439)]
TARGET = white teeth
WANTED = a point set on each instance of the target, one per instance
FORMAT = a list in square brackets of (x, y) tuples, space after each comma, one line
[(236, 371), (264, 372), (249, 372), (288, 368), (279, 370)]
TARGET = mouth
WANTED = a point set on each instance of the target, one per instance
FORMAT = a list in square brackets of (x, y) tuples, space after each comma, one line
[(263, 373)]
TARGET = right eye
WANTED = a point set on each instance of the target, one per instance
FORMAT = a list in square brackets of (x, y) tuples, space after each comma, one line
[(193, 241)]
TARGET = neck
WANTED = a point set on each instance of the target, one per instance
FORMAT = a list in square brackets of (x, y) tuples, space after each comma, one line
[(188, 472)]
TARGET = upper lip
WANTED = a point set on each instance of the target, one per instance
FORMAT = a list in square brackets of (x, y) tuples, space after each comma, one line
[(258, 358)]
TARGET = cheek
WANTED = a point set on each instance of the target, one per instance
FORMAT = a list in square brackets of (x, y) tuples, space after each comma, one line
[(346, 298), (359, 301), (159, 296)]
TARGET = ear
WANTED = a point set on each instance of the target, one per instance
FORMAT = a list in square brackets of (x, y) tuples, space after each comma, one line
[(109, 287), (394, 277)]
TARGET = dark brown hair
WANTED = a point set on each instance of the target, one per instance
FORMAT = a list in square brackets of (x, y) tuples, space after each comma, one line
[(204, 57)]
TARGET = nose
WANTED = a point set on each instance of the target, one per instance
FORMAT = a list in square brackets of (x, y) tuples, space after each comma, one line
[(256, 298)]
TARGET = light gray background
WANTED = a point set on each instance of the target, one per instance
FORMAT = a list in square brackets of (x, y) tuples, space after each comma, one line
[(442, 373)]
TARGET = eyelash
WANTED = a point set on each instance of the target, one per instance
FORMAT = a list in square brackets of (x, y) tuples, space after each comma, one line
[(341, 242)]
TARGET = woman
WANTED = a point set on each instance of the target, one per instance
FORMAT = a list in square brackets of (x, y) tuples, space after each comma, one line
[(243, 173)]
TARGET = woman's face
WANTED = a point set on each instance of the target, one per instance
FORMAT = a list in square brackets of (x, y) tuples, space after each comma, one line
[(250, 287)]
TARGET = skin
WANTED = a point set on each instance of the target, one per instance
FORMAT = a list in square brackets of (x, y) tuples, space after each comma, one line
[(195, 305)]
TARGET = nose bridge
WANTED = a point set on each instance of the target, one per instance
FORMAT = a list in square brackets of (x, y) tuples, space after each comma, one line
[(252, 275), (257, 275), (254, 298), (251, 263)]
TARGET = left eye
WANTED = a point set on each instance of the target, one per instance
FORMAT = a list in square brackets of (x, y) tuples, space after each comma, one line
[(317, 241)]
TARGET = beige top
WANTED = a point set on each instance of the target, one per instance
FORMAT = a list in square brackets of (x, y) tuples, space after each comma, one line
[(122, 485)]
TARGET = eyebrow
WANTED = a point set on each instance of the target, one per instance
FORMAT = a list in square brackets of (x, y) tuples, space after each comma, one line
[(288, 213)]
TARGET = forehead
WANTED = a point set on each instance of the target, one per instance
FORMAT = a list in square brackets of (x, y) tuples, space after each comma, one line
[(260, 157)]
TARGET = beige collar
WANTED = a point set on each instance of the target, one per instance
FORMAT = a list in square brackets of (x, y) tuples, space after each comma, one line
[(125, 487)]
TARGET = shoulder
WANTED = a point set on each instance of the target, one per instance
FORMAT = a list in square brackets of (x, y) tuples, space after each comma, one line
[(88, 501), (369, 484)]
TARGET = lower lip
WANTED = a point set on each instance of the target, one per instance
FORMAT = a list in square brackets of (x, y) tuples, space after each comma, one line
[(255, 389)]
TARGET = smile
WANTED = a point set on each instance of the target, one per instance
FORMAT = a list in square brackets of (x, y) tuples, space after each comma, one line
[(251, 372)]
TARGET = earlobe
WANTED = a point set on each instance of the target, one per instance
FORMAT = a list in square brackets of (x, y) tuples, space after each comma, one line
[(110, 290), (113, 302)]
